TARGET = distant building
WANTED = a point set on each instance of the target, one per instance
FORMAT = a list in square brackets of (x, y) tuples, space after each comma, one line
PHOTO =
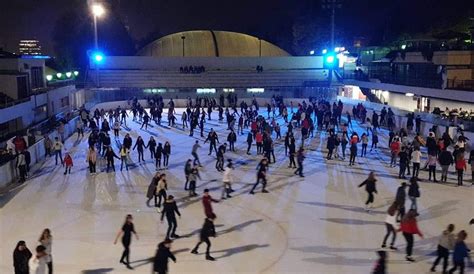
[(29, 47)]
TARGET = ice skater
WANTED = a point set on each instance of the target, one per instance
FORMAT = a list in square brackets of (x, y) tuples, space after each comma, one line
[(390, 225), (409, 227), (194, 152), (208, 230), (227, 180), (163, 254), (370, 187), (126, 233), (68, 163), (446, 242), (207, 201), (261, 176), (169, 209), (152, 190), (213, 139)]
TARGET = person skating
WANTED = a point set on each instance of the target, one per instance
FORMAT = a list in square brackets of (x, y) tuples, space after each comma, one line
[(109, 156), (261, 176), (445, 160), (220, 157), (169, 209), (21, 256), (140, 146), (400, 201), (446, 242), (194, 153), (292, 153), (126, 233), (187, 170), (390, 224), (166, 154), (158, 154), (369, 184), (404, 161), (460, 252), (91, 158), (152, 190), (163, 254), (123, 158), (232, 138), (213, 140), (227, 180), (151, 145), (300, 156), (67, 163), (409, 227), (416, 160), (37, 263), (161, 189), (207, 201), (460, 167), (193, 176), (380, 266), (46, 240), (208, 230), (249, 142), (57, 149), (413, 192)]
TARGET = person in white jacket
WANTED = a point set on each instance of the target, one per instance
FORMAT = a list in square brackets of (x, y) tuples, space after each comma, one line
[(227, 180), (38, 262)]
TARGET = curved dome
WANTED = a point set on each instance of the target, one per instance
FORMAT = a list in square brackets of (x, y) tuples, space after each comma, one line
[(208, 43)]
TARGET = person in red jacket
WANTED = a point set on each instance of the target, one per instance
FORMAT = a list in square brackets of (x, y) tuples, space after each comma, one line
[(409, 227), (460, 166), (68, 163), (207, 204), (395, 149)]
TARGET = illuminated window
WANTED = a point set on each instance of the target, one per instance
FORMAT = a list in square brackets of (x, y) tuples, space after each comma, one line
[(255, 90), (205, 90), (154, 90), (229, 90)]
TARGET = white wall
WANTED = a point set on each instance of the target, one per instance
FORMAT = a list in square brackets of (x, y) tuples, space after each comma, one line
[(211, 63)]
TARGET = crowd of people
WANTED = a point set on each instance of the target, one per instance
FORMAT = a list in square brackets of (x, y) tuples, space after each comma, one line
[(263, 134)]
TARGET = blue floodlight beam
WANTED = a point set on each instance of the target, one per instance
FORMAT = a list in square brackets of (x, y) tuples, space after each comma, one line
[(98, 57)]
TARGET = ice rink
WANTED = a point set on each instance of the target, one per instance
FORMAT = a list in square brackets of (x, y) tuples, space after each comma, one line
[(315, 224)]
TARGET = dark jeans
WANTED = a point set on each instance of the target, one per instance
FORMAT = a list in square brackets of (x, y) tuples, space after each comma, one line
[(196, 158), (208, 243), (126, 252), (299, 170), (161, 194), (403, 168), (456, 264), (460, 174), (370, 198), (212, 145), (140, 155), (50, 267), (416, 169), (166, 158), (57, 154), (432, 170), (390, 230), (264, 183), (352, 158), (172, 225), (91, 167), (292, 161), (410, 240), (443, 253), (364, 150)]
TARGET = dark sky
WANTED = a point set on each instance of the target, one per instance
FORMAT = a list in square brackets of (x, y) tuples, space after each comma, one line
[(20, 19)]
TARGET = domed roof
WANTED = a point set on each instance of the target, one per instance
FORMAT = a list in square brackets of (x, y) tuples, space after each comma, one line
[(208, 43)]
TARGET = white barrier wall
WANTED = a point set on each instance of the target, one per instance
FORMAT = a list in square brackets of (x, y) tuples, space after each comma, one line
[(9, 172), (210, 63)]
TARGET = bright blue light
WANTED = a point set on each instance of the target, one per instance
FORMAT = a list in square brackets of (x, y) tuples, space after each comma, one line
[(311, 52), (325, 51), (330, 59), (98, 57), (35, 57)]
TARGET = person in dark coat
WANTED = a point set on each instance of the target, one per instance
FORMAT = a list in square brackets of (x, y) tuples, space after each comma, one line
[(21, 256), (331, 144), (400, 200), (208, 230), (110, 155), (413, 192), (163, 254), (169, 209), (380, 266), (151, 192), (232, 138), (369, 184)]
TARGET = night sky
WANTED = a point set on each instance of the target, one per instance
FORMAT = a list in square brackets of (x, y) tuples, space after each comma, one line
[(272, 19)]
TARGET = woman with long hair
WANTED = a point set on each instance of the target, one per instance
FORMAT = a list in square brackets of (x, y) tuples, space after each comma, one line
[(409, 227), (166, 154), (21, 256), (46, 240), (126, 232)]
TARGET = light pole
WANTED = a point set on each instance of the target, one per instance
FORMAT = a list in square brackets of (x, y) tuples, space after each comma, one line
[(97, 11), (332, 5)]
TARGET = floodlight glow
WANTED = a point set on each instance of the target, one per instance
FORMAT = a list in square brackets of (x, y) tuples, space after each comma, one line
[(59, 75), (336, 49), (98, 10), (342, 48), (325, 51), (330, 59), (409, 94), (76, 73), (97, 57), (49, 77), (68, 74), (403, 47), (311, 52)]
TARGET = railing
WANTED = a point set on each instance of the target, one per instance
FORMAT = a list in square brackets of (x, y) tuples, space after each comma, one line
[(461, 84)]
